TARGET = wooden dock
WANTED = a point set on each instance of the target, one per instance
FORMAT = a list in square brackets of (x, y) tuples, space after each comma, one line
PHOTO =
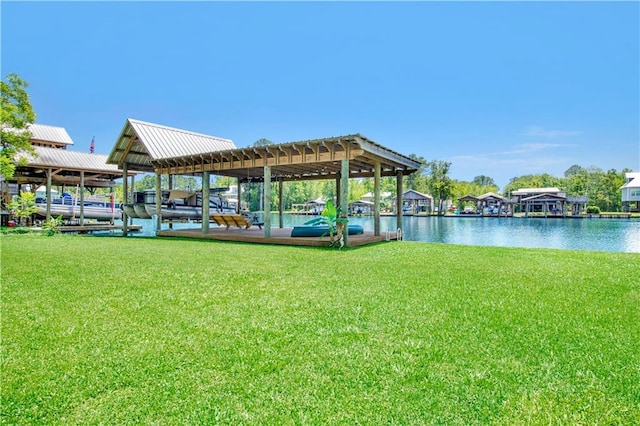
[(281, 236)]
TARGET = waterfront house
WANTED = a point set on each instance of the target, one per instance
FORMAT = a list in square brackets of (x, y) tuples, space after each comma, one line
[(631, 192)]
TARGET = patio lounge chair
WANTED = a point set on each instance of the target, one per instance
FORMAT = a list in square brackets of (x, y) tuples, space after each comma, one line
[(229, 220)]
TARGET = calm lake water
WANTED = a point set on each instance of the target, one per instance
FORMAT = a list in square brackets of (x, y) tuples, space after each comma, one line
[(568, 234)]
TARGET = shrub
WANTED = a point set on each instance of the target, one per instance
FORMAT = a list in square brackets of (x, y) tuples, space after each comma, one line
[(593, 210), (52, 226)]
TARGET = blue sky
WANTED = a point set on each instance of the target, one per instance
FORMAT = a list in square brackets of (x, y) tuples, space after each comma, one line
[(500, 89)]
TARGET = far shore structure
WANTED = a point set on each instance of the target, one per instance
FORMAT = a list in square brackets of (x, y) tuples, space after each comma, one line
[(162, 150)]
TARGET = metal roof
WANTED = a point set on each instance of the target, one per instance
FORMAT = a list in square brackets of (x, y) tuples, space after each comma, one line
[(545, 196), (66, 167), (52, 134), (412, 194), (141, 143), (303, 160), (71, 160), (525, 191), (491, 195)]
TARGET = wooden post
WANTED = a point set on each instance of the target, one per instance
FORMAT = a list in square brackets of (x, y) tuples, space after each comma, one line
[(267, 201), (280, 204), (125, 197), (206, 187), (239, 194), (338, 183), (170, 182), (399, 199), (344, 195), (159, 200), (376, 198), (82, 197), (49, 173), (132, 187)]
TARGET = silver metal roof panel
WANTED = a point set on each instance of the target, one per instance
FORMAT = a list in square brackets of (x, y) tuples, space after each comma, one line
[(71, 160), (50, 134), (142, 142)]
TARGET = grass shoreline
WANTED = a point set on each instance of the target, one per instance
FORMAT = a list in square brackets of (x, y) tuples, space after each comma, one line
[(115, 330)]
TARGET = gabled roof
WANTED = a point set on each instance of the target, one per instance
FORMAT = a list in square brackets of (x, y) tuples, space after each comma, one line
[(52, 134), (633, 180), (141, 143), (545, 197), (468, 198), (491, 195), (412, 194)]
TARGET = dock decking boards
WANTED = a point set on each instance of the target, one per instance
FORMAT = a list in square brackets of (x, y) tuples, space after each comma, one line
[(280, 236)]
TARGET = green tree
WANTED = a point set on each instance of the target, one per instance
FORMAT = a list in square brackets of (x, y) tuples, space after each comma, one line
[(23, 206), (532, 181), (440, 184), (147, 181), (16, 114), (417, 181), (573, 170), (483, 180), (480, 185)]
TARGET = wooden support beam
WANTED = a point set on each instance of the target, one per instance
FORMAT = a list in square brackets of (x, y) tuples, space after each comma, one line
[(267, 201), (158, 184), (206, 185), (239, 196), (280, 204), (376, 199), (48, 195), (344, 195), (82, 197), (399, 199), (125, 197)]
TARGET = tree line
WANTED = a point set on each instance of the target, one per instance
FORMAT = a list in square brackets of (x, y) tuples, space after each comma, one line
[(602, 188)]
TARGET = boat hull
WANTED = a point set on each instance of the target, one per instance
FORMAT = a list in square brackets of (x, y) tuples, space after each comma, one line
[(129, 210), (141, 212), (175, 213), (73, 212)]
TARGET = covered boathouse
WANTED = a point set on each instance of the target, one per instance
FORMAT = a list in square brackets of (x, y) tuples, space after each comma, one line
[(56, 165), (168, 151)]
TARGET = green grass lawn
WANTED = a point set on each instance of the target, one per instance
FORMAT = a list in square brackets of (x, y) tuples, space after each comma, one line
[(113, 330)]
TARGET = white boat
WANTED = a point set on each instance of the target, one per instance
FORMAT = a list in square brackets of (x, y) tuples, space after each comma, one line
[(178, 204), (96, 207)]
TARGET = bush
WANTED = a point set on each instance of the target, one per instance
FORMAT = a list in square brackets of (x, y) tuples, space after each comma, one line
[(52, 226), (593, 210)]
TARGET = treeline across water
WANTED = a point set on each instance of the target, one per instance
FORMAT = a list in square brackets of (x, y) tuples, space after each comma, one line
[(601, 187)]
